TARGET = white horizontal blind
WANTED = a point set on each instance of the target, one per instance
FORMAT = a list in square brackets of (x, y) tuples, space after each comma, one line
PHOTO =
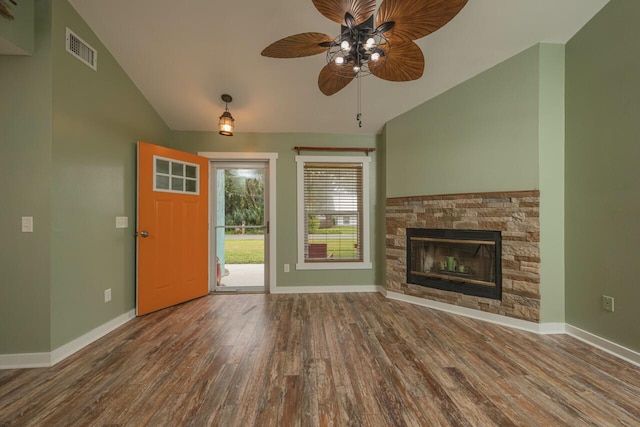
[(333, 214)]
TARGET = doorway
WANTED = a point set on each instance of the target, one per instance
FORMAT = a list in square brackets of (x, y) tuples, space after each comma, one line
[(240, 226)]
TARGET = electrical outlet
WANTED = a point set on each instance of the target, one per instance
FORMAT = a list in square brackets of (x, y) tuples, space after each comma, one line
[(607, 303), (107, 295), (286, 268)]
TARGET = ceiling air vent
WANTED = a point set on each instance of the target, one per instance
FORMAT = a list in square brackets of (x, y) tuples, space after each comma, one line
[(81, 50)]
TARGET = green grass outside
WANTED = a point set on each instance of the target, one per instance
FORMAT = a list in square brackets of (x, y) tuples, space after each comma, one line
[(252, 251), (244, 251)]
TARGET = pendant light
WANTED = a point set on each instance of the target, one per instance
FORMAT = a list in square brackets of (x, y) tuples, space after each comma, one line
[(225, 125)]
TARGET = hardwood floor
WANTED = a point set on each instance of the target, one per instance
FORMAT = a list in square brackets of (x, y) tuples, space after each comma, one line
[(320, 360)]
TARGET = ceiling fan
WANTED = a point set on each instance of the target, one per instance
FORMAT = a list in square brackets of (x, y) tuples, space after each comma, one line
[(385, 50)]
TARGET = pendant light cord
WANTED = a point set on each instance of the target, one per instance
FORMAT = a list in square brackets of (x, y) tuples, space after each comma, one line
[(359, 115)]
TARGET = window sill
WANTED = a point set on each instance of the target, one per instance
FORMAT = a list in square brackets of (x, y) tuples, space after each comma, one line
[(334, 266)]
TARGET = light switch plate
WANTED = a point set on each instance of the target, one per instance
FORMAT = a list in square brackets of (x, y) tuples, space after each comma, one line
[(27, 224), (122, 222)]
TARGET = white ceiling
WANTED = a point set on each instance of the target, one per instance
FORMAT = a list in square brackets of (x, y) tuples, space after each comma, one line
[(183, 55)]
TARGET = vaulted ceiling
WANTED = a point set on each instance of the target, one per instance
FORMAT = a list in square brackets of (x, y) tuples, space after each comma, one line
[(183, 55)]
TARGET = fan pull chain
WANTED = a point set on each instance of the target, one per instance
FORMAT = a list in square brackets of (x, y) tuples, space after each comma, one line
[(359, 115)]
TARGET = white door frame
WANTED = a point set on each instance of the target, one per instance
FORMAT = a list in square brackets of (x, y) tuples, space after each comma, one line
[(270, 159)]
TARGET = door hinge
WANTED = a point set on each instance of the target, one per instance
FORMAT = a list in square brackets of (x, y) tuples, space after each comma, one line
[(267, 227)]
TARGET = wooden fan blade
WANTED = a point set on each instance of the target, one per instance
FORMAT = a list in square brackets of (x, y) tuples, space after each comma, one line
[(329, 82), (414, 19), (404, 62), (335, 10), (298, 45)]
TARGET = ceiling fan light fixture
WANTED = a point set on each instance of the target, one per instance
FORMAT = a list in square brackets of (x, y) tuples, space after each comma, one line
[(370, 43), (226, 122), (357, 47)]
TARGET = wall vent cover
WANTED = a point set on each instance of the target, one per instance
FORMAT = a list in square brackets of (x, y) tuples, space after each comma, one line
[(81, 50)]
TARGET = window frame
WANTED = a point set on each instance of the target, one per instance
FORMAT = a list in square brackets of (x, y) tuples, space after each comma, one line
[(366, 209), (170, 175)]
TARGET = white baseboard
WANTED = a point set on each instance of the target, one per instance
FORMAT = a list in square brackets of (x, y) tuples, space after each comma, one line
[(467, 312), (326, 289), (45, 360), (68, 349), (604, 345), (25, 360), (538, 328), (552, 328)]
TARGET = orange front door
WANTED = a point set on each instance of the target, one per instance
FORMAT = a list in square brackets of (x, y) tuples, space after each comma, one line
[(172, 228)]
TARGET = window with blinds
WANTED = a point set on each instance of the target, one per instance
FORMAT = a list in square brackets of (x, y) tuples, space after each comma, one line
[(333, 214), (333, 205)]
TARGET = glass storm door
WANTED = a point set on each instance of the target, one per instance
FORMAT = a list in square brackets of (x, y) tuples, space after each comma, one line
[(240, 232)]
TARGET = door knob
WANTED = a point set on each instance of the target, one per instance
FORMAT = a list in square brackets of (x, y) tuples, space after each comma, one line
[(144, 234)]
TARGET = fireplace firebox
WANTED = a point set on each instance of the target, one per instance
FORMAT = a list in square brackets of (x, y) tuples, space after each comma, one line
[(465, 261)]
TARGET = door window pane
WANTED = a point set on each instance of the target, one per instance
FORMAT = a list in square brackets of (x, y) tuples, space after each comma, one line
[(170, 176), (177, 169), (162, 166), (191, 186), (177, 184), (162, 182)]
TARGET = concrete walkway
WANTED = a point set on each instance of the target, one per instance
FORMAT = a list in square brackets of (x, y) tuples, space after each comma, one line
[(244, 275)]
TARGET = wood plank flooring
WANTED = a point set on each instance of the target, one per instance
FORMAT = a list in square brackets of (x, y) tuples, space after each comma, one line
[(323, 360)]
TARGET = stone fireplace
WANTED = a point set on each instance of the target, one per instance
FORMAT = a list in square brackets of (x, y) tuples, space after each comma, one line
[(509, 287), (465, 261)]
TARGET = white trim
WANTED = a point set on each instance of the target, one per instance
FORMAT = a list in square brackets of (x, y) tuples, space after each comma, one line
[(327, 289), (45, 360), (227, 155), (612, 348), (25, 360), (467, 312), (366, 189), (552, 328), (334, 266), (68, 349), (604, 345), (271, 159)]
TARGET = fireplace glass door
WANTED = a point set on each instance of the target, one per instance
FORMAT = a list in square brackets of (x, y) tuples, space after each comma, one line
[(457, 260)]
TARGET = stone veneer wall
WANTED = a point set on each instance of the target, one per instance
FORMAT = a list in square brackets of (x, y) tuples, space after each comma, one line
[(515, 214)]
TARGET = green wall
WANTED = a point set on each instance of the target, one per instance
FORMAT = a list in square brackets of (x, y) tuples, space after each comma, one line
[(25, 161), (68, 149), (286, 220), (17, 37), (602, 174), (482, 135), (551, 175), (502, 130), (97, 118)]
